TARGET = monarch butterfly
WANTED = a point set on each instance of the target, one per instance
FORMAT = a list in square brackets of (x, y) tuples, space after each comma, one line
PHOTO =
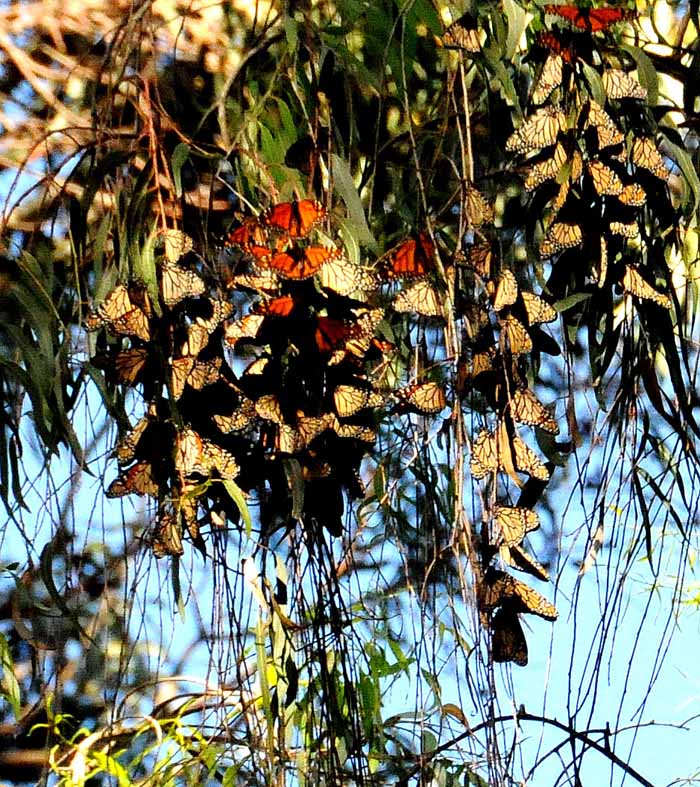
[(421, 298), (249, 233), (476, 322), (269, 409), (295, 219), (527, 461), (633, 195), (220, 311), (411, 259), (515, 336), (626, 229), (516, 557), (426, 398), (462, 34), (619, 84), (189, 371), (245, 328), (478, 258), (549, 79), (332, 333), (574, 169), (479, 211), (347, 336), (257, 367), (483, 361), (608, 133), (178, 283), (125, 449), (196, 456), (646, 155), (295, 262), (561, 44), (128, 364), (593, 20), (349, 399), (547, 169), (175, 244), (223, 462), (364, 434), (264, 282), (287, 439), (506, 290), (197, 339), (121, 314), (345, 277), (605, 180), (508, 641), (137, 480), (526, 408), (634, 284), (501, 589), (561, 235), (282, 306), (536, 309), (539, 131), (310, 427), (239, 419), (166, 539), (484, 460), (514, 523)]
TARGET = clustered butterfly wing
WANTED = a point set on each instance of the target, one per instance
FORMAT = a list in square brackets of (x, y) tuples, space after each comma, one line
[(593, 20)]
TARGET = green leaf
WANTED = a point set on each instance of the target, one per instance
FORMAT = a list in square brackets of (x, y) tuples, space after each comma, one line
[(347, 191), (572, 300), (685, 163), (289, 127), (238, 496), (517, 21), (502, 76), (179, 157), (595, 84), (648, 77), (291, 32), (8, 682)]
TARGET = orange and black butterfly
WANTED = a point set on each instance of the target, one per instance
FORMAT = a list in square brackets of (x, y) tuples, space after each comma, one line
[(463, 34), (137, 480), (332, 333), (558, 44), (178, 283), (593, 20), (122, 315), (249, 233), (294, 263), (295, 219), (426, 398), (507, 637), (411, 259)]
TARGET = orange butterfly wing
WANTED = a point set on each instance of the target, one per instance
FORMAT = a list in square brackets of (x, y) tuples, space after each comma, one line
[(297, 219), (412, 259), (295, 263)]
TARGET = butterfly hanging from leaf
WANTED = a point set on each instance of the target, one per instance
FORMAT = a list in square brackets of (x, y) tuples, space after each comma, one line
[(294, 262), (295, 219), (463, 34), (592, 20)]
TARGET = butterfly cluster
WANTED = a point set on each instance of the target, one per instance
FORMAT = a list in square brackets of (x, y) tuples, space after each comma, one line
[(496, 370), (254, 382), (590, 157)]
